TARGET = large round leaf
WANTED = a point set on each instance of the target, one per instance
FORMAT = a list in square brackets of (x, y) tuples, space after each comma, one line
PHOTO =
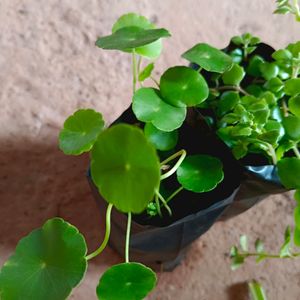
[(46, 265), (291, 125), (209, 58), (200, 173), (161, 140), (131, 37), (125, 168), (152, 50), (148, 106), (294, 105), (182, 86), (80, 131), (126, 281), (289, 172)]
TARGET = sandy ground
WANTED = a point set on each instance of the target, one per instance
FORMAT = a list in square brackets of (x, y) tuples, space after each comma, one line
[(49, 67)]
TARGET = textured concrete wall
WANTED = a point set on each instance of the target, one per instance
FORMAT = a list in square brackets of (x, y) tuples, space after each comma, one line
[(49, 67)]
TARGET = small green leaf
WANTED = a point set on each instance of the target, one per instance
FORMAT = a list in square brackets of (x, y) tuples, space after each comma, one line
[(148, 106), (269, 70), (285, 248), (292, 87), (236, 55), (161, 140), (291, 125), (234, 251), (240, 130), (294, 48), (80, 131), (146, 72), (125, 168), (209, 58), (282, 55), (282, 10), (271, 136), (47, 264), (240, 150), (274, 85), (181, 86), (253, 68), (200, 173), (256, 291), (289, 172), (236, 262), (237, 40), (259, 246), (294, 105), (234, 76), (227, 102), (126, 281), (244, 242), (130, 38), (152, 50)]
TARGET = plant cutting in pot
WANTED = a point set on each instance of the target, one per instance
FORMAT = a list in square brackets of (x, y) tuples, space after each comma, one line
[(133, 167)]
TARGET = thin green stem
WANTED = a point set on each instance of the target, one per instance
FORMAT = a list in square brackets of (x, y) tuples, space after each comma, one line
[(182, 154), (296, 151), (174, 194), (231, 87), (272, 152), (285, 109), (164, 202), (127, 238), (157, 205), (155, 81), (139, 65), (107, 234), (134, 70)]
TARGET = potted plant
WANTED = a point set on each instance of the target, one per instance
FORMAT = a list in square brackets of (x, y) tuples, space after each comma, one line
[(162, 170)]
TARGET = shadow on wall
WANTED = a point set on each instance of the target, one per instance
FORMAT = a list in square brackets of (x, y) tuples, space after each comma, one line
[(38, 182), (238, 291)]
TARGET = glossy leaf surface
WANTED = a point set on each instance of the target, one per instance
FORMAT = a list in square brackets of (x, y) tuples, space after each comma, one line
[(182, 86), (148, 106), (80, 131), (200, 173), (234, 76), (291, 125), (126, 281), (294, 106), (47, 264), (125, 168), (289, 172), (292, 87), (209, 58)]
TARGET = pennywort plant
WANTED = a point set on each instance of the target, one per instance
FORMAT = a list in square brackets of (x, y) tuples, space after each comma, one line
[(125, 167)]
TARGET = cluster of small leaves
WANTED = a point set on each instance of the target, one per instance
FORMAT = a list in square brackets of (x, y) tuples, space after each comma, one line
[(288, 7), (256, 105), (239, 254)]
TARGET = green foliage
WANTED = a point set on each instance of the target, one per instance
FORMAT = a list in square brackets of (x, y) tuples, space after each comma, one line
[(234, 76), (256, 291), (288, 6), (209, 58), (125, 168), (126, 281), (146, 73), (80, 131), (292, 87), (161, 140), (200, 173), (181, 86), (149, 106), (289, 172), (294, 105), (47, 264)]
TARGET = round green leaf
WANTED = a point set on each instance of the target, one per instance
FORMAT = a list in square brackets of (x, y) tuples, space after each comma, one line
[(182, 86), (80, 131), (234, 76), (161, 140), (274, 85), (269, 70), (47, 264), (130, 38), (289, 172), (282, 55), (148, 106), (294, 105), (253, 67), (292, 87), (291, 125), (125, 168), (200, 173), (209, 58), (126, 281), (228, 102), (152, 50)]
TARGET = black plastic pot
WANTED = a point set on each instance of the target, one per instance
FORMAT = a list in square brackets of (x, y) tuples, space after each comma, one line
[(162, 242)]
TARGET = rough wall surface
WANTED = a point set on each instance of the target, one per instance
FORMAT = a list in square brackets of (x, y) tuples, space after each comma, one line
[(49, 67)]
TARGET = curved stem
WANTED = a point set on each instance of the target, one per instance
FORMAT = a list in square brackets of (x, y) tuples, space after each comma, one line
[(273, 154), (232, 87), (296, 151), (164, 202), (182, 154), (127, 238), (134, 70), (155, 81), (174, 194), (157, 205), (107, 234)]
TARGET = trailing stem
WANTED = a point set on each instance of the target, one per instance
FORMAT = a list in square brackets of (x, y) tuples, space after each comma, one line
[(107, 234), (164, 202), (127, 238), (134, 70), (230, 88)]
